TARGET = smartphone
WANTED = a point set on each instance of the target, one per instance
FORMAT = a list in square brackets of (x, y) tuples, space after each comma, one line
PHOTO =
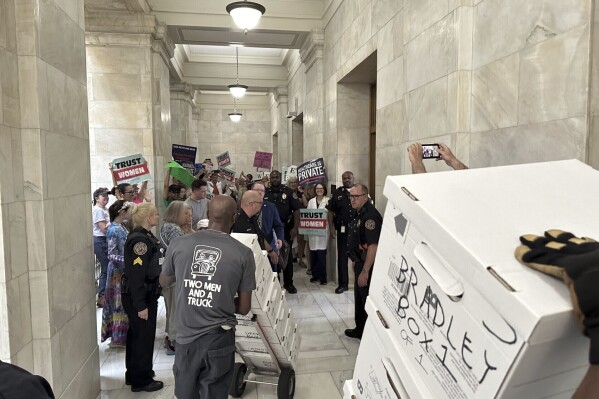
[(430, 151)]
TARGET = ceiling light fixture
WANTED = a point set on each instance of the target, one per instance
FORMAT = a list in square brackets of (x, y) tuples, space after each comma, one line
[(235, 116), (237, 90), (246, 14)]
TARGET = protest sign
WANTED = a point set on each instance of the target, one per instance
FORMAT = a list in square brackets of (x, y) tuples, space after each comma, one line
[(185, 156), (311, 172), (313, 222), (263, 160), (228, 174), (223, 159), (132, 169), (289, 171)]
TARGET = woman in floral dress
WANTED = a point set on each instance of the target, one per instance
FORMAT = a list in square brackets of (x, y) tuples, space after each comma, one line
[(114, 319)]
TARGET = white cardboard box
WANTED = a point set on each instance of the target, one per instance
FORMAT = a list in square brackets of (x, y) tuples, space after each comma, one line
[(467, 318), (348, 390)]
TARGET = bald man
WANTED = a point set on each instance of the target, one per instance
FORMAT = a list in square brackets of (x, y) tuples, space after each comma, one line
[(210, 268), (247, 221)]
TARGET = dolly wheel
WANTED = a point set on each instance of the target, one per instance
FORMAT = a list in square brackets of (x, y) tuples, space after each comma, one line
[(286, 386), (238, 382)]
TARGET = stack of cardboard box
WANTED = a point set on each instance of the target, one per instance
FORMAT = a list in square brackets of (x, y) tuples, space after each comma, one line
[(452, 313), (269, 328)]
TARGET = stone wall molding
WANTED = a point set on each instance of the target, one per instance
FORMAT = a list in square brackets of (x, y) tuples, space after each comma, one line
[(312, 49), (184, 92)]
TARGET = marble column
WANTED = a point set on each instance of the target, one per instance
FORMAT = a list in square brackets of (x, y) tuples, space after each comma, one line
[(284, 141), (182, 104), (47, 293), (314, 122), (128, 92)]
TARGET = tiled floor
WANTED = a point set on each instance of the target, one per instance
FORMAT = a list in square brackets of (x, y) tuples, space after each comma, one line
[(326, 357)]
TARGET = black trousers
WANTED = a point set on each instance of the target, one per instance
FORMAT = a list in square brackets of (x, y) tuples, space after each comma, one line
[(203, 368), (342, 260), (288, 272), (319, 264), (140, 341), (360, 295)]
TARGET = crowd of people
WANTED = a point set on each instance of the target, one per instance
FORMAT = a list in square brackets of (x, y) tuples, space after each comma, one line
[(205, 276)]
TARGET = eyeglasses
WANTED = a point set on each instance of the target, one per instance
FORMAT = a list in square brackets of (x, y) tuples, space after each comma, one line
[(355, 197)]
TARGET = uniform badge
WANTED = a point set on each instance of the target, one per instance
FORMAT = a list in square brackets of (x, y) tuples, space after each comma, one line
[(370, 224), (140, 248), (138, 261), (284, 196), (294, 195)]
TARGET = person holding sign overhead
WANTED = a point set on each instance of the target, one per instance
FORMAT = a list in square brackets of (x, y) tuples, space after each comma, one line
[(318, 244)]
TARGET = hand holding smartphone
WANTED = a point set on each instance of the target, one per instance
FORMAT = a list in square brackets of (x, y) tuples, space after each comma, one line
[(430, 151)]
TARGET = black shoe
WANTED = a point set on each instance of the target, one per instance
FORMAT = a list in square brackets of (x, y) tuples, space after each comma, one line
[(151, 387), (290, 288), (353, 333), (323, 283), (340, 289), (313, 280), (127, 382)]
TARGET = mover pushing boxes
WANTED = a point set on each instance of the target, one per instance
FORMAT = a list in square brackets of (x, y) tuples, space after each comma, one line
[(448, 298)]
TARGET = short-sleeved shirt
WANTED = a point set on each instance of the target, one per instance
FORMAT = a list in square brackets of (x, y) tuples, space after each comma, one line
[(99, 215), (199, 209), (286, 201), (340, 205), (365, 229), (210, 267)]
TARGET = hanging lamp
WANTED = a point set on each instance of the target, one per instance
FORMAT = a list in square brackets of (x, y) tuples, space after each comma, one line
[(235, 116), (246, 14), (237, 90)]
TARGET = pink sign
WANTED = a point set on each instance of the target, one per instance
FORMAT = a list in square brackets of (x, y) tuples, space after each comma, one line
[(263, 160)]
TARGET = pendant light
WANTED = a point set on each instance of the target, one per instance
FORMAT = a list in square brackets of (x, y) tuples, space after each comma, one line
[(237, 90), (246, 14), (235, 116)]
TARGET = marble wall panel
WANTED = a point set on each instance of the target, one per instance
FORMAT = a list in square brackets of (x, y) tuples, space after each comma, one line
[(19, 314), (422, 14), (117, 142), (359, 164), (65, 175), (383, 11), (500, 31), (427, 110), (353, 113), (46, 361), (6, 165), (9, 80), (122, 114), (398, 32), (4, 327), (67, 106), (395, 85), (77, 341), (17, 239), (385, 45), (593, 147), (87, 379), (68, 303), (33, 87), (432, 54), (62, 41), (70, 241), (41, 305), (8, 28), (495, 94), (549, 141), (459, 101), (554, 78), (126, 60), (116, 87), (391, 127)]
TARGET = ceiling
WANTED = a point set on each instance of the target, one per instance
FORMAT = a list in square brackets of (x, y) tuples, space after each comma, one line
[(205, 35)]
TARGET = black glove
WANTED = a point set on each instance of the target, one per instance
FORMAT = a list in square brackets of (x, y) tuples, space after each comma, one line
[(575, 261)]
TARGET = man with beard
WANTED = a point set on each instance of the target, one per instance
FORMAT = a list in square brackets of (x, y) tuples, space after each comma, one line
[(288, 205), (340, 214)]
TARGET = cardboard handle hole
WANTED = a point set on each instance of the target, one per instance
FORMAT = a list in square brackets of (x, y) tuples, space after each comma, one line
[(445, 277)]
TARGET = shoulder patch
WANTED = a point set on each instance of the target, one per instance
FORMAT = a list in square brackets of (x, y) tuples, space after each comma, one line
[(294, 195), (140, 248), (370, 224)]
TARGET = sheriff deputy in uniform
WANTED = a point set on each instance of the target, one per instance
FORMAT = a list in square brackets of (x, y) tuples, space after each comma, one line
[(288, 205), (143, 261), (340, 214), (362, 243)]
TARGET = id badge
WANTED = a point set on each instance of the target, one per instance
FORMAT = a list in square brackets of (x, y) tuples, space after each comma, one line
[(342, 229)]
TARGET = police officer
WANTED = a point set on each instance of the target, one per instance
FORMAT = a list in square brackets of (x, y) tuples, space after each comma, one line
[(143, 261), (340, 214), (288, 205), (362, 243)]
